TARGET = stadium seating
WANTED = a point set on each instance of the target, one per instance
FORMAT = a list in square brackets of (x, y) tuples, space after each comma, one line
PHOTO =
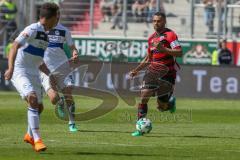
[(76, 15)]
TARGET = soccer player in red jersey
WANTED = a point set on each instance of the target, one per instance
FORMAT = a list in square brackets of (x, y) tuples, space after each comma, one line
[(160, 75)]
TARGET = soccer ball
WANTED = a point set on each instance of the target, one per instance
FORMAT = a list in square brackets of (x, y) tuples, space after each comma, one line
[(144, 125)]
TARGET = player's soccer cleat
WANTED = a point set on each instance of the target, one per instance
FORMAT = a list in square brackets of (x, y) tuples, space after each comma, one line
[(172, 103), (72, 128), (28, 139), (137, 133), (39, 146), (60, 108)]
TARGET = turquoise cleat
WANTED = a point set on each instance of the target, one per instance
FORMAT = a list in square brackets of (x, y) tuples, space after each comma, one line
[(137, 134), (172, 103), (72, 128)]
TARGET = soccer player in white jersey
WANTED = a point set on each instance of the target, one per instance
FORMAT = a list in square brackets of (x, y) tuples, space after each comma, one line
[(25, 61), (55, 57)]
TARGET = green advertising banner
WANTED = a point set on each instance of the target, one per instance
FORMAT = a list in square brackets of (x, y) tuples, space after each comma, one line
[(134, 50), (197, 52)]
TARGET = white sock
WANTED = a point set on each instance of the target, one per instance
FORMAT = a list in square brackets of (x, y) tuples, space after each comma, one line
[(33, 121), (29, 131), (70, 114)]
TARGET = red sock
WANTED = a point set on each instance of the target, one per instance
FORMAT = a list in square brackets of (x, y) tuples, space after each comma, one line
[(142, 110)]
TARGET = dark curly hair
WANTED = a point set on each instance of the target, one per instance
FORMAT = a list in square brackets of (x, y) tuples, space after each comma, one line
[(163, 15), (49, 10)]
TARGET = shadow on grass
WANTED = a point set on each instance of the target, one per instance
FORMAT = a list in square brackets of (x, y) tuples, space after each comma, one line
[(108, 154), (95, 131), (82, 153), (46, 153), (128, 154), (120, 154), (161, 135), (192, 136)]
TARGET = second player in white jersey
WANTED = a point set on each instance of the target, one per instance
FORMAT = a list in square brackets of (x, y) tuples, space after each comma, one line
[(24, 62), (55, 55), (54, 58)]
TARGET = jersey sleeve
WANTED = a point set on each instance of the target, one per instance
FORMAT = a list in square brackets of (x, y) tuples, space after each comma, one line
[(173, 41), (26, 35), (69, 39)]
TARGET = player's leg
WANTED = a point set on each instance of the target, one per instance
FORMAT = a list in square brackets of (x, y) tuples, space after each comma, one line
[(143, 108), (24, 87), (28, 138), (35, 107), (166, 103), (57, 100), (34, 99), (53, 95), (165, 100), (143, 105), (29, 88), (66, 87), (67, 92), (148, 90)]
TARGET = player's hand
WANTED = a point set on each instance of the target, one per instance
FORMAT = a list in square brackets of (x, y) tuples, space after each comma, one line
[(74, 56), (133, 73), (160, 47), (8, 74)]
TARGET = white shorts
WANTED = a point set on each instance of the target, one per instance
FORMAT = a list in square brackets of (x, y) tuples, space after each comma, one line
[(26, 84), (62, 83)]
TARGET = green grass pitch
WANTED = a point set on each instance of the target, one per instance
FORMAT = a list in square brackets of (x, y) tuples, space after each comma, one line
[(200, 129)]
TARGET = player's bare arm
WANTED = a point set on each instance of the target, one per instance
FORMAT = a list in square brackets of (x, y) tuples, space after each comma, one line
[(74, 53), (143, 64), (12, 56)]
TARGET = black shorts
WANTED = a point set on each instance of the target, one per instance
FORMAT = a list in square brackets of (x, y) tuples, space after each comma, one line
[(162, 87)]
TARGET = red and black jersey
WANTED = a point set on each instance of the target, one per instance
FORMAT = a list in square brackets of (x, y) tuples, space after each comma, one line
[(169, 40)]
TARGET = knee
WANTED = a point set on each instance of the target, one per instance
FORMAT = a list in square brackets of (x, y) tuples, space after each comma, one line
[(32, 100), (54, 99), (53, 96)]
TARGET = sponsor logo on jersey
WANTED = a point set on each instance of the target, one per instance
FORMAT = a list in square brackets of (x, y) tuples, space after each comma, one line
[(57, 33)]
